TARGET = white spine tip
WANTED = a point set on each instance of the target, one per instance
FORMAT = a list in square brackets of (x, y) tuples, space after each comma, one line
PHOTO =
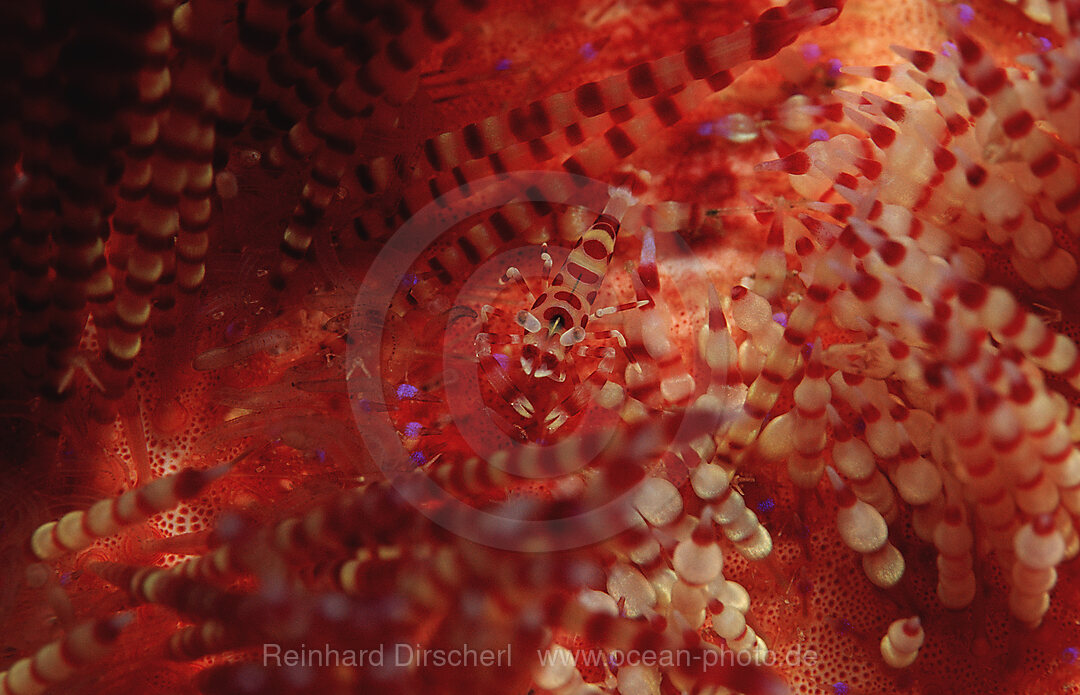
[(901, 643), (834, 478)]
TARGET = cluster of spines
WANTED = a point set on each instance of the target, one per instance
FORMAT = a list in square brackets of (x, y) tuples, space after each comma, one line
[(591, 129), (975, 103), (966, 361), (156, 148), (78, 84), (357, 541), (329, 133)]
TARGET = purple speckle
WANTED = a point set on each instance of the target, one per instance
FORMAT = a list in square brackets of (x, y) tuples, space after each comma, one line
[(736, 127), (503, 64), (834, 67), (320, 456), (766, 505), (65, 577), (407, 391), (724, 126), (948, 48), (588, 52), (409, 280), (1045, 44), (412, 429), (840, 688), (781, 318), (819, 134), (502, 359), (1070, 654), (418, 458), (811, 52), (965, 14)]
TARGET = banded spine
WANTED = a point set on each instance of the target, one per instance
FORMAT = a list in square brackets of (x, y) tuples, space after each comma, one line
[(391, 74), (763, 38), (58, 661), (77, 530)]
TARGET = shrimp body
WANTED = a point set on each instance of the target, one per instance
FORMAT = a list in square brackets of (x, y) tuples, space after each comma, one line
[(559, 317), (555, 326)]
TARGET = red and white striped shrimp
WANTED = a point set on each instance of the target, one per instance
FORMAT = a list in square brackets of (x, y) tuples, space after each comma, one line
[(555, 326)]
